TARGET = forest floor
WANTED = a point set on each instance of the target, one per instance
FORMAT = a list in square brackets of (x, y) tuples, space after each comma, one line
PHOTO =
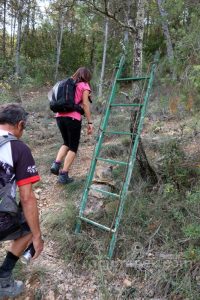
[(56, 277)]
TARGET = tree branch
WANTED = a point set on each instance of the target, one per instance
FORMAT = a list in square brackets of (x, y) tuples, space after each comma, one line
[(106, 12)]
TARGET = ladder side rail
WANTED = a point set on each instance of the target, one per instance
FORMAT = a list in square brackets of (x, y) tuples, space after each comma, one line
[(98, 145), (132, 160), (113, 93)]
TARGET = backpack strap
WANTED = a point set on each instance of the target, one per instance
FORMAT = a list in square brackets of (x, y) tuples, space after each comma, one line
[(6, 138)]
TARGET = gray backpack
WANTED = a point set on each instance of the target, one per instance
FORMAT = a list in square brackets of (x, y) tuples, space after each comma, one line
[(7, 194)]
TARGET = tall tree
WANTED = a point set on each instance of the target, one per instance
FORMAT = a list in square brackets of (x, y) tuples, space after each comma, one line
[(4, 29), (127, 13), (138, 30), (138, 40), (170, 51), (146, 170), (100, 92), (19, 33), (59, 39), (12, 30), (61, 8)]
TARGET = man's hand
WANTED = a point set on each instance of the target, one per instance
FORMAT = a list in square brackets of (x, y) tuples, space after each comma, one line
[(38, 244)]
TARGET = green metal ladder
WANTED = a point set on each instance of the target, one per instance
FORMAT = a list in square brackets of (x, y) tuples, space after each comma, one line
[(132, 157)]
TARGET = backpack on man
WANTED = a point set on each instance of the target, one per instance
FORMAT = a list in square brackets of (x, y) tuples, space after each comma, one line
[(8, 202), (62, 97)]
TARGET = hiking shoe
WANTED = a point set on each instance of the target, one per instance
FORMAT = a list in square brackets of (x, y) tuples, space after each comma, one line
[(64, 178), (55, 168), (10, 287)]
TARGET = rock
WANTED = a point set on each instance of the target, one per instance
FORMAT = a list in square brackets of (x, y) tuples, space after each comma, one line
[(198, 280), (94, 206), (127, 283), (150, 254), (104, 175), (38, 191), (150, 294), (97, 194), (50, 296), (37, 196), (61, 287), (60, 297)]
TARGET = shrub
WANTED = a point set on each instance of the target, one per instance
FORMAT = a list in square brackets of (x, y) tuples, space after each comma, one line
[(173, 170)]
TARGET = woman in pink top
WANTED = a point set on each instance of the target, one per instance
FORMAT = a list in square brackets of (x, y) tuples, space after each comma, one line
[(69, 124)]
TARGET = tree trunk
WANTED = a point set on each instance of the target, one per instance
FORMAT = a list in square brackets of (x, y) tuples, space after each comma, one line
[(146, 170), (33, 4), (59, 42), (12, 34), (17, 53), (129, 21), (100, 92), (148, 23), (165, 28), (4, 30), (92, 53), (170, 52), (27, 28), (28, 17), (17, 91), (138, 41)]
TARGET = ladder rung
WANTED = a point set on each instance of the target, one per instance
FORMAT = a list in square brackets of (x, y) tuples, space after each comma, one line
[(133, 78), (118, 132), (127, 105), (112, 161), (97, 224), (104, 192)]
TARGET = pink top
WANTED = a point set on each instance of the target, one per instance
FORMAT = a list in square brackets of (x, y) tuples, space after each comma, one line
[(80, 88)]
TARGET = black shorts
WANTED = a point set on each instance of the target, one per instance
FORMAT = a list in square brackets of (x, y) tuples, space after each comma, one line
[(70, 130), (12, 228)]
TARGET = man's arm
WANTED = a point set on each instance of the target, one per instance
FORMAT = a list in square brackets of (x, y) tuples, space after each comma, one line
[(30, 209)]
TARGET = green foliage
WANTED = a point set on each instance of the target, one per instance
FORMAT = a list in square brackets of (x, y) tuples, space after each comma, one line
[(154, 42), (72, 60), (193, 198), (191, 227), (192, 231), (60, 221), (41, 70), (6, 68), (187, 41), (194, 77), (112, 151), (5, 95), (40, 43), (173, 171), (169, 190), (192, 253)]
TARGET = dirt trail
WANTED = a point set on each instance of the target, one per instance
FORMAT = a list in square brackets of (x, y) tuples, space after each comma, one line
[(61, 281), (49, 277)]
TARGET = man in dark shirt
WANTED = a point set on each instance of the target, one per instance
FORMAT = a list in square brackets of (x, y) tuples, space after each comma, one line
[(16, 161)]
